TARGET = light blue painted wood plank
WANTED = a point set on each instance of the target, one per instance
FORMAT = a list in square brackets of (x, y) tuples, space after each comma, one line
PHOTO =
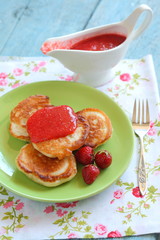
[(142, 237), (10, 13), (110, 11), (44, 19)]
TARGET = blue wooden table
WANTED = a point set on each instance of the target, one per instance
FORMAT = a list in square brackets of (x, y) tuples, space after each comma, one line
[(25, 24)]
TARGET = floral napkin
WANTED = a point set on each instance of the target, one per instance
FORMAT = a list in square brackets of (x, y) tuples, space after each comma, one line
[(119, 210)]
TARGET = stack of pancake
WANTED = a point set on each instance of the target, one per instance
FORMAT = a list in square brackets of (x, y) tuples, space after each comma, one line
[(52, 162)]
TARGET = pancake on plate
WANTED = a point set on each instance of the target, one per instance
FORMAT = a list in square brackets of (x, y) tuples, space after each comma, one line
[(100, 126), (20, 114), (46, 171), (63, 146)]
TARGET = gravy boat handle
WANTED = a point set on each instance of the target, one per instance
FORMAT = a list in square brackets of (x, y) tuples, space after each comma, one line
[(131, 21)]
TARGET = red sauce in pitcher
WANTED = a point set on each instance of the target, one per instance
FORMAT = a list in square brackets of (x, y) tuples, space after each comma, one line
[(100, 42)]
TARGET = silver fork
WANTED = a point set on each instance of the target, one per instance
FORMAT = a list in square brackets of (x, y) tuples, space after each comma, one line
[(140, 123)]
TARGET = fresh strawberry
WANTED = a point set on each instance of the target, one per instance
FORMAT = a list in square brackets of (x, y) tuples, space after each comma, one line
[(103, 159), (90, 172), (85, 155)]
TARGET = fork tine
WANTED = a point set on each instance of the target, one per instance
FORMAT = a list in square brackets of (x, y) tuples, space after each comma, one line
[(134, 112), (143, 111), (147, 112), (139, 111)]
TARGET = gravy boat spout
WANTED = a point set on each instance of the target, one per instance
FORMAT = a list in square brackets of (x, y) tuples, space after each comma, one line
[(94, 68)]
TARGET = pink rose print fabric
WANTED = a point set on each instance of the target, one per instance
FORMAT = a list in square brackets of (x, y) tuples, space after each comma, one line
[(136, 192), (118, 194), (114, 234), (100, 229), (8, 204), (72, 235), (116, 212), (17, 72), (3, 79), (125, 77), (49, 209), (3, 75)]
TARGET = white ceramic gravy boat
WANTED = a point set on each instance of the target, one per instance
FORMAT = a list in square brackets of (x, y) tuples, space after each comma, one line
[(94, 68)]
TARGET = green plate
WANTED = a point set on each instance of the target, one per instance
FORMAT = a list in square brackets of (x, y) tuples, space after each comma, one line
[(78, 96)]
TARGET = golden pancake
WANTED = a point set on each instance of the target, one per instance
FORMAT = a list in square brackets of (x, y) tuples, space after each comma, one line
[(46, 171), (20, 114), (62, 147), (100, 126)]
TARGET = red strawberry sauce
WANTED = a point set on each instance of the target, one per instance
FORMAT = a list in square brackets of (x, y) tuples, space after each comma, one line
[(51, 123), (100, 43)]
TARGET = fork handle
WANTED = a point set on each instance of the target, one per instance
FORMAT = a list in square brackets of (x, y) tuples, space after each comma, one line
[(142, 181)]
